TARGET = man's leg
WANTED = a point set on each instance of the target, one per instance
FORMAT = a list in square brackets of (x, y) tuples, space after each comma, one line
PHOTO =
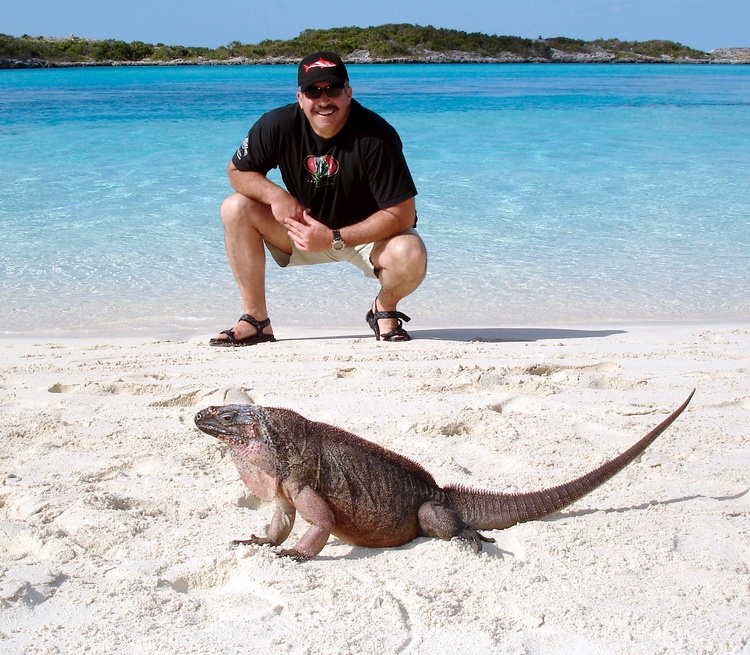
[(247, 224), (401, 265)]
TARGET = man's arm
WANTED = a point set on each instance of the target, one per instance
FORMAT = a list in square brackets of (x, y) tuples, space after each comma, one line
[(313, 236), (257, 186), (382, 224)]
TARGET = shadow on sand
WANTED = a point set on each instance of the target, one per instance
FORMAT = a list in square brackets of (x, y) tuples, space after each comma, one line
[(509, 334), (488, 335)]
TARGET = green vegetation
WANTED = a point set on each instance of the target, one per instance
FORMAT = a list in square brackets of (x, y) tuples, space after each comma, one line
[(653, 49), (79, 50), (398, 41), (383, 43)]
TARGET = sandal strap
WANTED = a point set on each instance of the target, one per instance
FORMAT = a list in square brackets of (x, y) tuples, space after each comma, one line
[(397, 315), (258, 325), (230, 334), (398, 332)]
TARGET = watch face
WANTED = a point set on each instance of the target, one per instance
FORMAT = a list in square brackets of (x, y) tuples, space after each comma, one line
[(338, 245)]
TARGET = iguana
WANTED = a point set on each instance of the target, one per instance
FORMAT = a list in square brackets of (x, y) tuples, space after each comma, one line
[(370, 496)]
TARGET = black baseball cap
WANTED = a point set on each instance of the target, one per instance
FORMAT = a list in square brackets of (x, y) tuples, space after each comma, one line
[(322, 67)]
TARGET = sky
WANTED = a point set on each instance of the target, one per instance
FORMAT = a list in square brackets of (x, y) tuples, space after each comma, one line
[(700, 24)]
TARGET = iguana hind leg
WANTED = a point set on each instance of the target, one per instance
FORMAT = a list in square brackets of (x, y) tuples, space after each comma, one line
[(440, 522)]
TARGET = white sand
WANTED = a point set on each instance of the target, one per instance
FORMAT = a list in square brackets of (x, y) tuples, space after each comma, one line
[(116, 512)]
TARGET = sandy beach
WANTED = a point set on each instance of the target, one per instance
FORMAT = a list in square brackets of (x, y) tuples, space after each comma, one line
[(117, 514)]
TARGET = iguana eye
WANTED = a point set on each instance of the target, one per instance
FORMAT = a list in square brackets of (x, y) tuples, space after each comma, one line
[(226, 417)]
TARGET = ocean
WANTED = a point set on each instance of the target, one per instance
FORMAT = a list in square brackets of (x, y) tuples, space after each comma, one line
[(548, 194)]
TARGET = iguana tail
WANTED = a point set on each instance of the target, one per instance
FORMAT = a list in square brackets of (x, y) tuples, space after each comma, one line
[(486, 510)]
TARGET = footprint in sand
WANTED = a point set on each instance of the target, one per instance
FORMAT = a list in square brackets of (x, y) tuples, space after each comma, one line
[(200, 573), (29, 584), (591, 376), (204, 397)]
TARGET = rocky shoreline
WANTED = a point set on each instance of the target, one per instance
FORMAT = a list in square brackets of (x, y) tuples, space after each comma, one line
[(719, 56)]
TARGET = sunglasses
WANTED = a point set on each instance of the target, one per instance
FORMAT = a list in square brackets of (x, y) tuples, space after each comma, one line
[(314, 92)]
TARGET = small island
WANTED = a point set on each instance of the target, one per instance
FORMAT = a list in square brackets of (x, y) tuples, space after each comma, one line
[(392, 43)]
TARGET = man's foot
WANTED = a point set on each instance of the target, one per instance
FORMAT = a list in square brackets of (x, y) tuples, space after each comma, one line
[(248, 332), (387, 326)]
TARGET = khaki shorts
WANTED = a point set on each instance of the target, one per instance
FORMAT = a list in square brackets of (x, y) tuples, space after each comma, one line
[(357, 255)]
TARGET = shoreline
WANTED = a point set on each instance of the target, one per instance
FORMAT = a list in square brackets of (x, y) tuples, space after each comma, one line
[(733, 56), (584, 60), (462, 334), (476, 332)]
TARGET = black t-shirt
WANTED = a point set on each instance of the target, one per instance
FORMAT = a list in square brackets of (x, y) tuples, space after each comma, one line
[(342, 180)]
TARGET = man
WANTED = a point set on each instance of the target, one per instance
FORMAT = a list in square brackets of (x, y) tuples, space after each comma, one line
[(349, 197)]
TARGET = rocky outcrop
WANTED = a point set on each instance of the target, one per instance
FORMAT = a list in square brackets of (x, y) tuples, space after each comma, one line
[(423, 56), (731, 55)]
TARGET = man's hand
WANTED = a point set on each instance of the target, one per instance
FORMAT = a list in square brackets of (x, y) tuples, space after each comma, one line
[(285, 207), (308, 234)]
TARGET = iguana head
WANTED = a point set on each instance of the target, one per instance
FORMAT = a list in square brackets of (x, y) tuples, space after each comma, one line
[(239, 426), (246, 429), (270, 438)]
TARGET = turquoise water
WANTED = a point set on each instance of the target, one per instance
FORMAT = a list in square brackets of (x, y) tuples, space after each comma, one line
[(547, 194)]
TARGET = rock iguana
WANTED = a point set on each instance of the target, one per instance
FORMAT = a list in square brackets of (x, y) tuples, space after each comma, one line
[(370, 496)]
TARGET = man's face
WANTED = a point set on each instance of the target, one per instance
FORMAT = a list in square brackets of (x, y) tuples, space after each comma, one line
[(326, 115)]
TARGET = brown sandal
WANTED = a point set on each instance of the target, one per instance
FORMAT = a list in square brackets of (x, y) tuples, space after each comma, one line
[(399, 334), (259, 337)]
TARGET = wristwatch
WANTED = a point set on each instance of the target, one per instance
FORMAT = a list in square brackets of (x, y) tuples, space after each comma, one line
[(338, 242)]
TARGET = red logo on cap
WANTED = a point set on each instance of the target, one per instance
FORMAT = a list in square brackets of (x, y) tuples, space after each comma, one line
[(321, 63)]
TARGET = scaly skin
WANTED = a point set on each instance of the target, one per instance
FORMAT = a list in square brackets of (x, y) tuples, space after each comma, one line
[(367, 495)]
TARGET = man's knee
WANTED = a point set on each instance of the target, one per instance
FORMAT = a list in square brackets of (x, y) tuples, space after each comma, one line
[(230, 208), (404, 251), (401, 263), (237, 208)]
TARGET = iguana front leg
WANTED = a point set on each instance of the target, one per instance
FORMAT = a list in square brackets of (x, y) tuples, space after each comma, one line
[(279, 528), (315, 510)]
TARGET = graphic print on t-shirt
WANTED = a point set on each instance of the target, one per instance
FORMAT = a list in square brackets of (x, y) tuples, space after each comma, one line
[(321, 169), (244, 149)]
